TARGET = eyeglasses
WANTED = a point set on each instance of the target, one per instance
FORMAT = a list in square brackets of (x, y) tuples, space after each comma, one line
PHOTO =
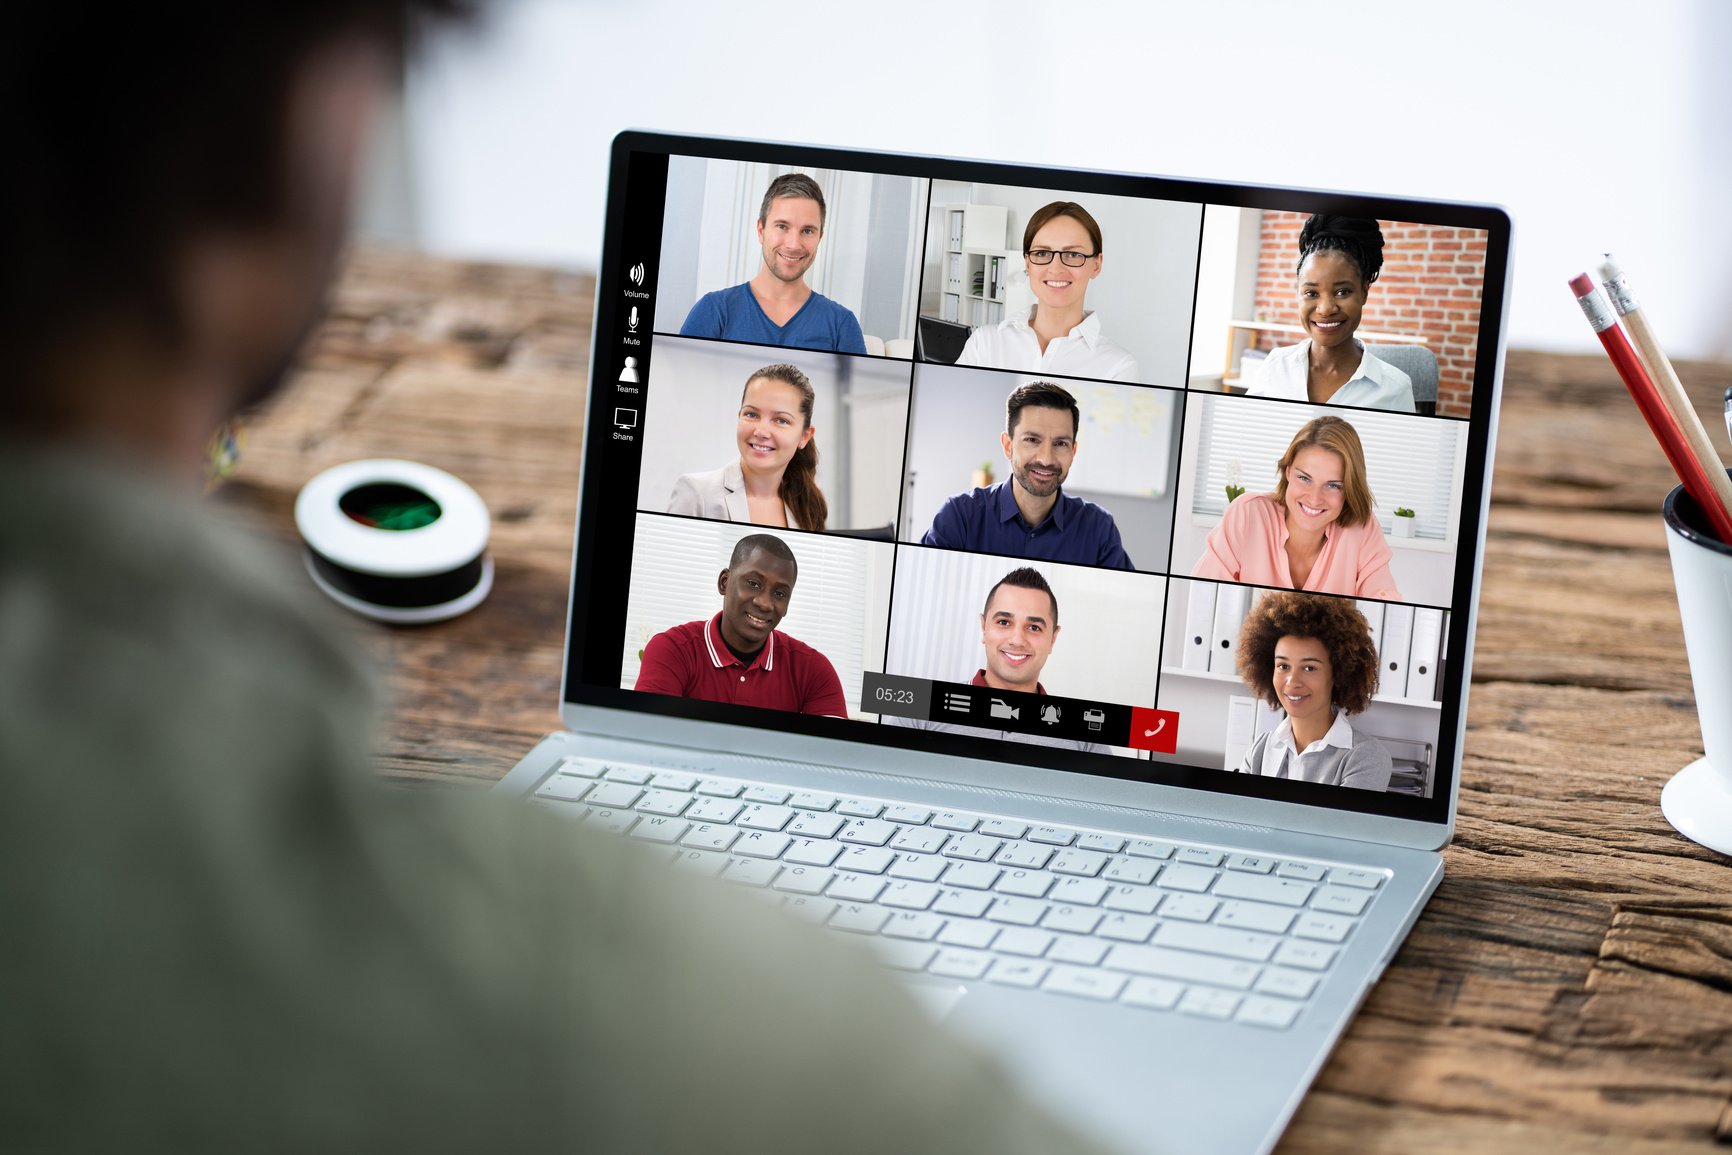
[(1045, 256)]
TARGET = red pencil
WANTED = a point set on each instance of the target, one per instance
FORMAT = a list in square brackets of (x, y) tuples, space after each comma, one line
[(1685, 464)]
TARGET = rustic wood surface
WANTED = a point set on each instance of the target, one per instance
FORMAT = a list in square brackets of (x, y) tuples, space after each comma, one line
[(1569, 988)]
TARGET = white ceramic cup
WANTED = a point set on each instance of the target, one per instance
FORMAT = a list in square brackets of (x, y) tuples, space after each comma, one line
[(1698, 800)]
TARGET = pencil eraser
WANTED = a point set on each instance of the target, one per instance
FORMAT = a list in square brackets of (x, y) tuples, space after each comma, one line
[(1580, 285), (1609, 270)]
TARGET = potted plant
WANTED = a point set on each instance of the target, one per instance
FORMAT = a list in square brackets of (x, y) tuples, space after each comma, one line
[(1235, 480), (983, 475), (1403, 524)]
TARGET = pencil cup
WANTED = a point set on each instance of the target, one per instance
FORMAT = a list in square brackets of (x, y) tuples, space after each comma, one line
[(1698, 799)]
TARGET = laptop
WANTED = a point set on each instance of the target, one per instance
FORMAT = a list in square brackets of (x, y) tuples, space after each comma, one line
[(1063, 743)]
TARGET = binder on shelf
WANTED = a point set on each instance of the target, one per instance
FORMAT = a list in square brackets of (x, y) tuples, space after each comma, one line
[(1442, 658), (1392, 654), (1199, 627), (1241, 726), (1230, 604), (1373, 612), (1422, 656)]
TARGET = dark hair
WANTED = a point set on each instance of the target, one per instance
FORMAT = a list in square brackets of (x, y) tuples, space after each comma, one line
[(166, 122), (769, 543), (793, 184), (1023, 577), (1071, 209), (1043, 395), (1356, 238), (1341, 439), (1335, 622), (799, 489)]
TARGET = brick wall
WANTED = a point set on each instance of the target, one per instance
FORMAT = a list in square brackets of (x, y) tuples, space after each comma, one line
[(1430, 285)]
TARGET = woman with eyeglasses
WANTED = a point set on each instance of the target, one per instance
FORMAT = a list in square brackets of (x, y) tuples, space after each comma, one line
[(1061, 248)]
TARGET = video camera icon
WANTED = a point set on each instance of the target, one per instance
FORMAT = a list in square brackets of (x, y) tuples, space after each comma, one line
[(1000, 709)]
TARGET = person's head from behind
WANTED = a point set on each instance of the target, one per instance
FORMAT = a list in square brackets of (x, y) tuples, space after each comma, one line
[(790, 225), (1321, 478), (756, 589), (173, 213), (1039, 438), (1018, 626), (1339, 257), (778, 440), (1061, 246), (1306, 654)]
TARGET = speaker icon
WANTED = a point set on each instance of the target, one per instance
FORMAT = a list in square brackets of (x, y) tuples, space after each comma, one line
[(636, 274)]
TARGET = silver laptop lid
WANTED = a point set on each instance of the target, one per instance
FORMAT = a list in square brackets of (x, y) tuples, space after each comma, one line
[(940, 457)]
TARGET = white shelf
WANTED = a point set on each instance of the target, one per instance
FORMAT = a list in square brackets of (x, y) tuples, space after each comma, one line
[(1233, 679)]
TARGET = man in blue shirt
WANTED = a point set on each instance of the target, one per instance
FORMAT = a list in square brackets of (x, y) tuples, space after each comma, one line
[(777, 307), (1029, 515)]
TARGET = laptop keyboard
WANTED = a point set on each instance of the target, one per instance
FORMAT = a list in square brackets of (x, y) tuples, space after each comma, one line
[(1168, 926)]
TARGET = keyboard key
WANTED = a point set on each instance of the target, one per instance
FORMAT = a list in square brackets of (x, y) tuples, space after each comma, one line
[(913, 815), (665, 831), (1288, 984), (1158, 994), (1073, 919), (1082, 952), (1003, 828), (1209, 1004), (1135, 899), (1052, 835), (751, 872), (1242, 944), (1199, 856), (1025, 883), (922, 839), (866, 859), (1021, 911), (804, 880), (1105, 843), (1149, 848), (811, 800), (614, 795), (708, 837), (811, 824), (674, 780), (664, 802), (868, 832), (1324, 927), (1190, 907), (856, 888), (1022, 940), (913, 924), (766, 795), (974, 847), (1334, 899), (1087, 863), (1132, 870), (1362, 879), (719, 788), (1025, 855), (957, 963), (1305, 955), (580, 767), (1303, 871), (1017, 972), (1079, 891), (961, 903), (1250, 863), (909, 895), (963, 933), (1127, 927), (1258, 888), (973, 875), (903, 956), (564, 789), (1102, 986), (859, 808), (713, 810), (812, 852), (758, 844), (1259, 916), (1276, 1014), (612, 821), (759, 816), (1190, 878), (635, 775), (859, 919), (702, 862), (950, 820), (816, 910), (919, 867), (1158, 962)]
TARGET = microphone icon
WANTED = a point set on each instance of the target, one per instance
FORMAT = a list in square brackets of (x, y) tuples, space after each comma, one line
[(632, 320)]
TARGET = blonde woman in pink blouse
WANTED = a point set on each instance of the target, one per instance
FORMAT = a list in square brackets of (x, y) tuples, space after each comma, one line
[(1316, 532)]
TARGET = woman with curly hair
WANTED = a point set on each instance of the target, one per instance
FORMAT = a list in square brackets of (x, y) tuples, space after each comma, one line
[(1312, 658)]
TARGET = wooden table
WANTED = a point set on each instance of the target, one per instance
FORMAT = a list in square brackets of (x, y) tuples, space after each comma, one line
[(1570, 986)]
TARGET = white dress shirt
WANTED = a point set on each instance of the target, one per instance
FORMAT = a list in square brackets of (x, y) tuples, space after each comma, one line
[(1374, 385), (1083, 352)]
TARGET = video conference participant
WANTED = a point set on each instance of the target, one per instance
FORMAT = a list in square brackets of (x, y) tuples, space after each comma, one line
[(1028, 514), (1061, 249), (1312, 658), (739, 656), (775, 481), (1316, 532), (1018, 628), (1339, 257), (777, 307)]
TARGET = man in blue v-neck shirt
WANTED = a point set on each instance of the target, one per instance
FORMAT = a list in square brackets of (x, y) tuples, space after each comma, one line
[(777, 307)]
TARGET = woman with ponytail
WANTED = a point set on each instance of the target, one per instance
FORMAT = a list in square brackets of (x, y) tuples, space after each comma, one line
[(1339, 257), (775, 481)]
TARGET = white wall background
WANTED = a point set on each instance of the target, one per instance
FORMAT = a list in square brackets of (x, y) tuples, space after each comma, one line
[(1598, 125)]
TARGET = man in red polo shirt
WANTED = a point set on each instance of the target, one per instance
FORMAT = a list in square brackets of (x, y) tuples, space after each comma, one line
[(739, 656)]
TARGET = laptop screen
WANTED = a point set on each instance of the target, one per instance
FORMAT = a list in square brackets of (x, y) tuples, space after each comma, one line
[(1163, 480)]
